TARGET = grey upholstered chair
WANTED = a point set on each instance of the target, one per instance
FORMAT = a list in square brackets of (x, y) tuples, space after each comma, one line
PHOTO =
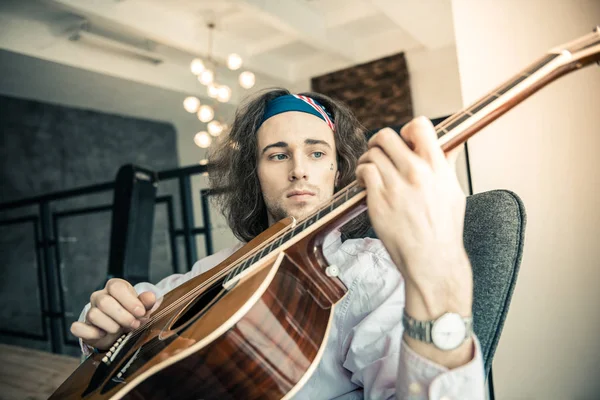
[(493, 236)]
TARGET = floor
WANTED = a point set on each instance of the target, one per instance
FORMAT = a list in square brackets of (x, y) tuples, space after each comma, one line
[(27, 374)]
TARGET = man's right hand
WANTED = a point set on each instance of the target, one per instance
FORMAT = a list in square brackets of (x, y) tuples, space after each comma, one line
[(115, 309)]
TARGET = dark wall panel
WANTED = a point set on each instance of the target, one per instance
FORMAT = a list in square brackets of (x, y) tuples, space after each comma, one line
[(46, 148)]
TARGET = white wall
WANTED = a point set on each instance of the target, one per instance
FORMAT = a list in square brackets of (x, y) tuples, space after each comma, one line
[(435, 90), (434, 81), (546, 151)]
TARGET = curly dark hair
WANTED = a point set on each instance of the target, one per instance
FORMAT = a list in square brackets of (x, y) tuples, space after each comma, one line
[(233, 163)]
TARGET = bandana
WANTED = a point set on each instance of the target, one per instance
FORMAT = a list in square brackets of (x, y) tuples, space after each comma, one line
[(294, 102)]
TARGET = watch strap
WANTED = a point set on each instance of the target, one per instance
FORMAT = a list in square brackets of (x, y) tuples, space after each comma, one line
[(421, 330)]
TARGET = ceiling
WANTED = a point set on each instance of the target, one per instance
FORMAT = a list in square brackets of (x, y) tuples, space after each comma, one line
[(289, 40)]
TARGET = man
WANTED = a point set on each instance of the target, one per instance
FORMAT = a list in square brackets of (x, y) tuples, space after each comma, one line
[(285, 155)]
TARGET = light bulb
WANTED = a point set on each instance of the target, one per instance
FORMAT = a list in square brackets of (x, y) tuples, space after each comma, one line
[(247, 79), (215, 128), (213, 90), (197, 66), (206, 113), (206, 77), (224, 94), (202, 139), (191, 104), (234, 62)]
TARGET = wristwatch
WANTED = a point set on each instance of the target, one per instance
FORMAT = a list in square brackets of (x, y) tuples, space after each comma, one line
[(447, 332)]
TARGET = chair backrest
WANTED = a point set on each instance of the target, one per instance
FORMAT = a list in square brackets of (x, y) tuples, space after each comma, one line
[(493, 235)]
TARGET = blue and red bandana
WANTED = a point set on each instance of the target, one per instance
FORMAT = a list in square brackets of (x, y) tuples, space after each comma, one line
[(294, 102)]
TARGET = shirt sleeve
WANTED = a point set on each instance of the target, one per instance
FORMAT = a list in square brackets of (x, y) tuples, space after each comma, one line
[(167, 284), (377, 357), (420, 378)]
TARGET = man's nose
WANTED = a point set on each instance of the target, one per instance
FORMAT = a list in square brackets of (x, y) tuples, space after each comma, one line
[(298, 170)]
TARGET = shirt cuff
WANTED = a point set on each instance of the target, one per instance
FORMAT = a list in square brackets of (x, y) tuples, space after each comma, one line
[(420, 378), (86, 350)]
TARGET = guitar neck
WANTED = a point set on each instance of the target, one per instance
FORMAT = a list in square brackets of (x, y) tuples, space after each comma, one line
[(558, 62)]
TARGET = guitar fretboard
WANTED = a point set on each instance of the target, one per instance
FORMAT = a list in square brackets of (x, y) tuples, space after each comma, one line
[(341, 198), (460, 117)]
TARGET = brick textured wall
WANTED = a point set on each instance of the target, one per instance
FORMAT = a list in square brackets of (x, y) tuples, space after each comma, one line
[(378, 92)]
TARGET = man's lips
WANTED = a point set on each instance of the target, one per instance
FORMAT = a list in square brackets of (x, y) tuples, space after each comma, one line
[(300, 193)]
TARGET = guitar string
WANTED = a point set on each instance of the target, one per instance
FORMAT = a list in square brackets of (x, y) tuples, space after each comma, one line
[(158, 316), (448, 121)]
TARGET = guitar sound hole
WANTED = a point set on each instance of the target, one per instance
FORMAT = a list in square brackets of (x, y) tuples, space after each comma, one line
[(201, 304)]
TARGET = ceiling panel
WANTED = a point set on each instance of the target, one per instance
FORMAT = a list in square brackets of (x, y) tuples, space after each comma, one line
[(368, 26), (203, 8), (295, 51), (247, 27)]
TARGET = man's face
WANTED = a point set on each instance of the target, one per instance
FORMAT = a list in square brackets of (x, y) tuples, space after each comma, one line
[(297, 164)]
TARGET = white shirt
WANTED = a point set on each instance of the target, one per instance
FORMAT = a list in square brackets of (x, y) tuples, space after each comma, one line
[(365, 356)]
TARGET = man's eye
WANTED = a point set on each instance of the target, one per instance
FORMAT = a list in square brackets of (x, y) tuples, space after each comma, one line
[(278, 157), (318, 154)]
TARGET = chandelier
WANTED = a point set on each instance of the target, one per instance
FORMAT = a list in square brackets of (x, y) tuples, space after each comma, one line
[(206, 73)]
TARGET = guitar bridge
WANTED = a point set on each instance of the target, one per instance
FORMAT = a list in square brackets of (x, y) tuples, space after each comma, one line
[(116, 348)]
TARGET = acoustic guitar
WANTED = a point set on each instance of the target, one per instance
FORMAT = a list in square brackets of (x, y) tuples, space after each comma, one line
[(255, 326)]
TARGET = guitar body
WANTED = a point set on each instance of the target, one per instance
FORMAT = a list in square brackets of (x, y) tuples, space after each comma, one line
[(262, 338)]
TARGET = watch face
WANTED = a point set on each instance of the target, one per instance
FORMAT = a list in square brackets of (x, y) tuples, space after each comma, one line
[(448, 331)]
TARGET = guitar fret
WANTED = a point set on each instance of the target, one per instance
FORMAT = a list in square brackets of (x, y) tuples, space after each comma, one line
[(457, 121), (232, 273), (265, 251), (297, 229), (540, 64), (242, 267), (279, 242), (355, 190), (440, 132), (273, 246), (483, 104), (536, 67), (339, 201), (254, 259), (513, 84), (287, 237), (323, 212), (310, 221)]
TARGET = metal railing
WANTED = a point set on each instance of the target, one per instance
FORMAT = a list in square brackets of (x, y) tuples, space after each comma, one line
[(46, 230)]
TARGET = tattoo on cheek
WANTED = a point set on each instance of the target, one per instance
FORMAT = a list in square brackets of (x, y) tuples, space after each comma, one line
[(331, 168)]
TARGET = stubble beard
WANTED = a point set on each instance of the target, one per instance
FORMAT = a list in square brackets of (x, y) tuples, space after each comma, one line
[(278, 212)]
